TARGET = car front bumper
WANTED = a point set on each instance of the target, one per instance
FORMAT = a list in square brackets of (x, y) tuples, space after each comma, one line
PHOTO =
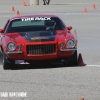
[(19, 52), (22, 55)]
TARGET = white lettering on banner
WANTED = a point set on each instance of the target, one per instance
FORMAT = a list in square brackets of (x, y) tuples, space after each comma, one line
[(17, 94), (13, 94), (3, 94), (36, 18)]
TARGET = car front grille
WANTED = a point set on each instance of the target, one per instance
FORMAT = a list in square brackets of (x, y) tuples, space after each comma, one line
[(41, 49)]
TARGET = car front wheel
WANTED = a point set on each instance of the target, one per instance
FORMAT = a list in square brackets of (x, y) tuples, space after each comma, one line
[(73, 60), (8, 63)]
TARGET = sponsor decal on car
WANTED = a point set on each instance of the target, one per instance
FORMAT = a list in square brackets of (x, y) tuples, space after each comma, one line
[(37, 38), (36, 18)]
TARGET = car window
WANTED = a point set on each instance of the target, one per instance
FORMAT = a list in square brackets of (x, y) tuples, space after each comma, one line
[(25, 25), (19, 23)]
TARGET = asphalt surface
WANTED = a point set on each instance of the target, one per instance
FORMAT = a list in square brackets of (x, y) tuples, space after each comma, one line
[(56, 82)]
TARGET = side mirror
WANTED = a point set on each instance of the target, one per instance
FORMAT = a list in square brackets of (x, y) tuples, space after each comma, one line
[(69, 27), (1, 30)]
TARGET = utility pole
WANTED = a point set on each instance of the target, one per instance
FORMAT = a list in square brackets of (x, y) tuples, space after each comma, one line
[(34, 2)]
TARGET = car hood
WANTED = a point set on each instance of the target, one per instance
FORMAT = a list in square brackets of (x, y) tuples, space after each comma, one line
[(37, 36)]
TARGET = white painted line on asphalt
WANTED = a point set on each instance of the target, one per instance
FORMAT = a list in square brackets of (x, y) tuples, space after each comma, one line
[(93, 65)]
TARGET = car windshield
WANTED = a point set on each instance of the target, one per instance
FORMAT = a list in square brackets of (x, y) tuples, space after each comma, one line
[(35, 24)]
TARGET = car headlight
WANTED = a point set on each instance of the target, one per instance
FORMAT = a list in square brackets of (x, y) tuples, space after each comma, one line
[(11, 46), (62, 45), (70, 43)]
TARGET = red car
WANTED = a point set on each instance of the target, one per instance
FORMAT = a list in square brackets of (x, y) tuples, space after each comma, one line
[(37, 38)]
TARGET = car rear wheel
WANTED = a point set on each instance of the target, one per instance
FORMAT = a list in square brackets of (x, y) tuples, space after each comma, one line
[(8, 63)]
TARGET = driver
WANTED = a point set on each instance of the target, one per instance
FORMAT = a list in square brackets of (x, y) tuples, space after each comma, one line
[(50, 24)]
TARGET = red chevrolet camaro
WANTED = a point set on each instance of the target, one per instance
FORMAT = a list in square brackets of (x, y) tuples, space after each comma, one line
[(35, 38)]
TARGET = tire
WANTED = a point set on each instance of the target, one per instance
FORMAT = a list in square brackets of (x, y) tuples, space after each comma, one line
[(73, 60), (8, 63)]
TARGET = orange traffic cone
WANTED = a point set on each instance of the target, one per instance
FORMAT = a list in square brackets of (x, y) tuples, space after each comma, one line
[(81, 98), (24, 3), (18, 13), (93, 6), (13, 9), (80, 61), (85, 10)]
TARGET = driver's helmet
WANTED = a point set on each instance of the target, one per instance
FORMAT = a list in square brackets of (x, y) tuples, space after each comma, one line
[(50, 24)]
